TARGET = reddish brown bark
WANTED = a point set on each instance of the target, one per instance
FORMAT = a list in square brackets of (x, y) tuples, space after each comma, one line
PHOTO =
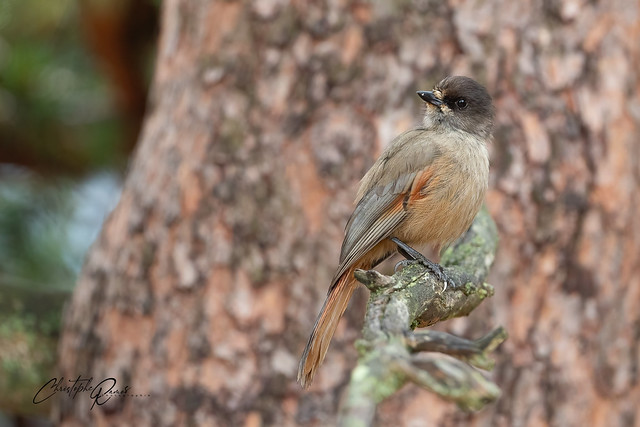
[(206, 279)]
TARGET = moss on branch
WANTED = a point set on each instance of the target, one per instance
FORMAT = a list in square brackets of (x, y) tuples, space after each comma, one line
[(391, 353)]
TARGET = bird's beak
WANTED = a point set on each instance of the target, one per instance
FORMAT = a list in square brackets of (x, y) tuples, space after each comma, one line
[(430, 97)]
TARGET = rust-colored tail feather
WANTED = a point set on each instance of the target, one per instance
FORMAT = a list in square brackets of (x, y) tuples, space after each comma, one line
[(326, 324)]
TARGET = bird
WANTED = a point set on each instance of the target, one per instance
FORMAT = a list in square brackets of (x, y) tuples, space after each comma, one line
[(425, 188)]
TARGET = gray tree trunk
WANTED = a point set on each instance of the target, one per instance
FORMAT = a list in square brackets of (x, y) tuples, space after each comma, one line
[(205, 281)]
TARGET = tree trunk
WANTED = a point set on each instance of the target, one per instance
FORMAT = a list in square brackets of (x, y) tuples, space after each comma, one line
[(205, 281)]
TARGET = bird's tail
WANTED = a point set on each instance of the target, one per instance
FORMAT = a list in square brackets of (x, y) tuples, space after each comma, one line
[(326, 324)]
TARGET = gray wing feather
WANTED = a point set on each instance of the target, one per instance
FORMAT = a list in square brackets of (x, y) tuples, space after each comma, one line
[(369, 209), (368, 225), (392, 176)]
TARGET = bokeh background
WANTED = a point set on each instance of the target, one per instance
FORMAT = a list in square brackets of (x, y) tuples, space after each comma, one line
[(232, 178), (74, 77)]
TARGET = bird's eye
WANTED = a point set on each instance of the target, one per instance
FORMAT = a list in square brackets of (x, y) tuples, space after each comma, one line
[(461, 103)]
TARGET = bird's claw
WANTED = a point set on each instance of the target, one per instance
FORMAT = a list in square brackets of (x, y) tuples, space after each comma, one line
[(403, 263), (413, 256), (437, 271)]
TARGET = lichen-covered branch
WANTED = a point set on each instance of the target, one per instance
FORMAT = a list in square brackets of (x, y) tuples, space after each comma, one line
[(392, 353)]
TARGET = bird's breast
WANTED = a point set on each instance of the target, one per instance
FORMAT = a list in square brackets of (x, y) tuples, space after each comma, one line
[(449, 200)]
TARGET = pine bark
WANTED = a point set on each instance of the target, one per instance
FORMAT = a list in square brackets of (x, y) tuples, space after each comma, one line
[(203, 286)]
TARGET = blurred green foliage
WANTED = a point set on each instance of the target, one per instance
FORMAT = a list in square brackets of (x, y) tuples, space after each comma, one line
[(27, 349), (54, 103), (33, 239), (45, 229), (63, 145)]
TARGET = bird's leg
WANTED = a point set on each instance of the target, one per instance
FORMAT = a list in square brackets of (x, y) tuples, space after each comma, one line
[(413, 255)]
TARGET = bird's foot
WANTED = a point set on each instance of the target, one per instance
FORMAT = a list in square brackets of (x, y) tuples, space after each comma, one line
[(404, 263), (412, 256)]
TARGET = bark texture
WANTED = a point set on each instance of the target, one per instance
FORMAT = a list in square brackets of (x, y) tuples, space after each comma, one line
[(204, 283), (392, 353)]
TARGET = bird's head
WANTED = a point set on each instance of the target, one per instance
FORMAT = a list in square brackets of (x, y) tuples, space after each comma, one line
[(460, 103)]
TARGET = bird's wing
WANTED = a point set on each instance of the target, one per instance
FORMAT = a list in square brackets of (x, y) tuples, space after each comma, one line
[(384, 205), (379, 212)]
